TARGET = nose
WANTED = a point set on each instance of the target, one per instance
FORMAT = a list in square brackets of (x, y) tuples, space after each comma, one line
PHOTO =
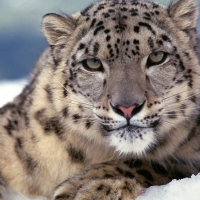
[(127, 112)]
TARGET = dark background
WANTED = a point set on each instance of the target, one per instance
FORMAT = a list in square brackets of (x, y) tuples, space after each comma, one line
[(21, 38)]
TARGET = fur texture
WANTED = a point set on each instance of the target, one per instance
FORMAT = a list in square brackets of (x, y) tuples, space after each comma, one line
[(112, 106)]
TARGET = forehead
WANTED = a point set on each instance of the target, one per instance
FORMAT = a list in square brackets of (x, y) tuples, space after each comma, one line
[(131, 27), (124, 18), (119, 11)]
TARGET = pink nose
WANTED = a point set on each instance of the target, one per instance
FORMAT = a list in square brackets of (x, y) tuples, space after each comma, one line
[(127, 111)]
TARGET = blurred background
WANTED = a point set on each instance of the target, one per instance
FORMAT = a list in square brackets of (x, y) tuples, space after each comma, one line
[(21, 38)]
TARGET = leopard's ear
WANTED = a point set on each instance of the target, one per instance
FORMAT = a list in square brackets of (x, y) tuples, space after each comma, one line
[(184, 13), (57, 28)]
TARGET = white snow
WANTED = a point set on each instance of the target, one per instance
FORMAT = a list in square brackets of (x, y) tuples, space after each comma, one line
[(10, 89), (185, 189)]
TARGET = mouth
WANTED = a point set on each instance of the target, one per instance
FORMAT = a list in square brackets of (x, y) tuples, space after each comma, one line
[(130, 128), (132, 139)]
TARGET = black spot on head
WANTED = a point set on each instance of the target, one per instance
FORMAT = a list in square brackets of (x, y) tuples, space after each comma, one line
[(134, 12), (96, 31), (136, 41), (124, 9), (159, 42), (107, 31), (93, 23), (76, 155), (136, 29), (150, 43), (155, 5), (108, 46), (87, 19), (148, 26), (96, 48), (165, 38), (100, 23), (181, 65), (111, 11), (120, 27), (125, 17), (106, 15), (81, 46), (108, 38)]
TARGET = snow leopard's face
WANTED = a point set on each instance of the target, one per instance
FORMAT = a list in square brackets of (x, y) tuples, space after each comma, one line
[(130, 74)]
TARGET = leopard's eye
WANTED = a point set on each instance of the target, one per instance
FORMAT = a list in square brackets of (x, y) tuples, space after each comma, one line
[(92, 64), (156, 58)]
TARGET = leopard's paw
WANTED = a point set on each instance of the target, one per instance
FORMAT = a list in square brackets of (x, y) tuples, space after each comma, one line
[(98, 189)]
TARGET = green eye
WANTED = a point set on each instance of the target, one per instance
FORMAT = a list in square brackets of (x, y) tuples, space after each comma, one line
[(156, 58), (92, 64)]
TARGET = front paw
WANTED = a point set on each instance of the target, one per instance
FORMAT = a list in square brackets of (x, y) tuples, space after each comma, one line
[(102, 183), (105, 189)]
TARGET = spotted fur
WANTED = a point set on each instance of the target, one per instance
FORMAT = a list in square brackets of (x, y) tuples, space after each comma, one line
[(114, 128)]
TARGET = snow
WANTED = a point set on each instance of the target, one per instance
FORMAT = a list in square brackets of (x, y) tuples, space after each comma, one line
[(185, 189), (10, 89)]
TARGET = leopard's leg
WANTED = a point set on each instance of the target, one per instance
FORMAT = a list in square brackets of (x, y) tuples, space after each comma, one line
[(110, 181)]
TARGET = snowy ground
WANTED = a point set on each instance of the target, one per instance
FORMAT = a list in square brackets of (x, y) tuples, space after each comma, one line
[(10, 89), (185, 189)]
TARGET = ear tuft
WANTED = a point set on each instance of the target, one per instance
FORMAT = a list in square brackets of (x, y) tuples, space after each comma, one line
[(57, 28), (184, 13)]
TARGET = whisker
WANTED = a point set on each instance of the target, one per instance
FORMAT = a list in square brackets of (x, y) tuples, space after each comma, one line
[(174, 95), (163, 99), (175, 115), (166, 106), (169, 123), (75, 104), (61, 83), (179, 109), (92, 121)]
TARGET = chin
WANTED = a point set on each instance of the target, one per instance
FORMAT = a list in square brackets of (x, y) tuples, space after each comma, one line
[(132, 140)]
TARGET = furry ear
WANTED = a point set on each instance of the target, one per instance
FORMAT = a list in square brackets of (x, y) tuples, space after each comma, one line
[(57, 28), (184, 13)]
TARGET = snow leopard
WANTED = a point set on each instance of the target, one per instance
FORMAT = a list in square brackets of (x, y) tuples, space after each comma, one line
[(111, 108)]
